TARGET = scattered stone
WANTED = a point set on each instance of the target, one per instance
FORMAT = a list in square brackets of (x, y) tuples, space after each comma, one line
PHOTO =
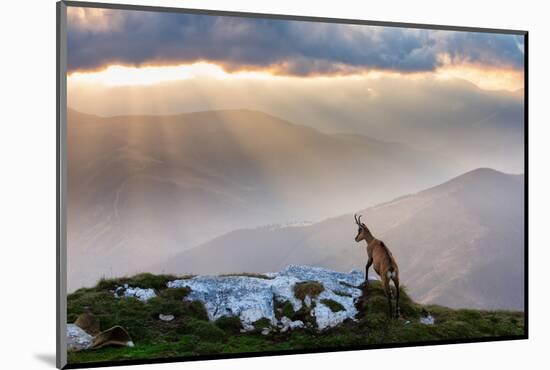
[(297, 324), (427, 320), (285, 324), (252, 298), (166, 317), (127, 291), (266, 331), (77, 338)]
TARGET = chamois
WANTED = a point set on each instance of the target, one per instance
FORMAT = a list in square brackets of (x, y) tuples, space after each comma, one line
[(382, 260)]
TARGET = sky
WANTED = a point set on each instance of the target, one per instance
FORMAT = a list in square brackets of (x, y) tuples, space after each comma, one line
[(454, 92), (447, 101)]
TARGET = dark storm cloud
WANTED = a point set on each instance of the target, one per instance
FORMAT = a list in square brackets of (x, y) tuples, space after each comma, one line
[(483, 48), (289, 47)]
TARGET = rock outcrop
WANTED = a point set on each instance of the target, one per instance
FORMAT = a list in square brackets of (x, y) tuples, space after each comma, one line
[(77, 338), (126, 291), (85, 334), (253, 298)]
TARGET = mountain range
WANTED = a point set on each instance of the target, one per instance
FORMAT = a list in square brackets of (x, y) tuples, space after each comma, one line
[(459, 244), (145, 188)]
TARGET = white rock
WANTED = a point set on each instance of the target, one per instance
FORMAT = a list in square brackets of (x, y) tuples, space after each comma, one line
[(166, 317), (127, 291), (297, 324), (325, 318), (252, 298), (427, 320), (266, 331), (77, 338), (285, 324), (285, 321)]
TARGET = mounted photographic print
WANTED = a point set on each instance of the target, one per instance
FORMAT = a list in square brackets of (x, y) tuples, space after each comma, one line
[(235, 184)]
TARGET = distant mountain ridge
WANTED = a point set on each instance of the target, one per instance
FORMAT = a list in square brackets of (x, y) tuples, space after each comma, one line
[(458, 244), (143, 188)]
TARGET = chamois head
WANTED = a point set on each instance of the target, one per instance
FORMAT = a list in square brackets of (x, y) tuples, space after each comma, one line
[(363, 231)]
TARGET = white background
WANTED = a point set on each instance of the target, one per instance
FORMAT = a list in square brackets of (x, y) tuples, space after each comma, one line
[(27, 206)]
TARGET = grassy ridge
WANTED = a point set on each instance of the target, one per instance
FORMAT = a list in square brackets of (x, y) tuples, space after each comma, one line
[(191, 334)]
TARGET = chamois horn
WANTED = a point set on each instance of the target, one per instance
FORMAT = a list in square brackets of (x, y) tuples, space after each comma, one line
[(358, 220)]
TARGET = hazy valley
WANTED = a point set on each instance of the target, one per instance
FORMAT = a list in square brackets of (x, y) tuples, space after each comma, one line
[(459, 244), (144, 188)]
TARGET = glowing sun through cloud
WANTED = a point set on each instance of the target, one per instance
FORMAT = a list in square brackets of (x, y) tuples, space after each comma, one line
[(485, 78), (117, 75)]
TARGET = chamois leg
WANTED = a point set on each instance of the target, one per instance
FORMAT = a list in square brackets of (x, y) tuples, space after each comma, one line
[(397, 309), (367, 266), (388, 292)]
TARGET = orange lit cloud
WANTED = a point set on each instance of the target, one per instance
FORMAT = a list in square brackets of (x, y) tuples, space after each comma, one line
[(486, 78), (94, 19)]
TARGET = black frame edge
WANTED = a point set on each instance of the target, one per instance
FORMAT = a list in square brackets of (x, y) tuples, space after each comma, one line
[(58, 333), (291, 17), (61, 261), (526, 181)]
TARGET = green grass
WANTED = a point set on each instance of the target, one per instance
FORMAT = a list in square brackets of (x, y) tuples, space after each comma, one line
[(145, 280), (342, 294), (191, 334), (229, 324), (261, 324), (284, 309), (308, 288), (333, 305)]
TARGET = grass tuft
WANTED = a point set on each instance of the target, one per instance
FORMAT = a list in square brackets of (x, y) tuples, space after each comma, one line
[(333, 305), (204, 330), (229, 324), (308, 288), (283, 309), (144, 280), (342, 294), (261, 323), (176, 294)]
